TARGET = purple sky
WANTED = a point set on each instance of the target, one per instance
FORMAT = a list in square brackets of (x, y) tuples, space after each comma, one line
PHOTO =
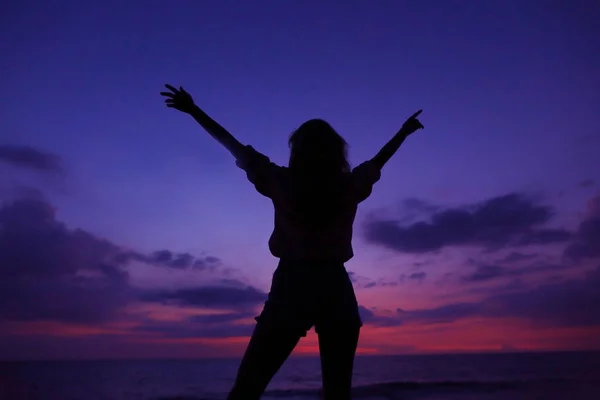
[(511, 100)]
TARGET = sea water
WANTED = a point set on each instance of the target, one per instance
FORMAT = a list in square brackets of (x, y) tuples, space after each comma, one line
[(432, 377)]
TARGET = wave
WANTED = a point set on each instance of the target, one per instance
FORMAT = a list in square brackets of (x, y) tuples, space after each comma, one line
[(390, 390), (393, 388)]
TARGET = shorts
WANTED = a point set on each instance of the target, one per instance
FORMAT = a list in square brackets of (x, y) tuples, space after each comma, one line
[(307, 294)]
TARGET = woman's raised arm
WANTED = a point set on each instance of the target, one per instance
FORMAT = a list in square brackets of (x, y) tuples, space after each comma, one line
[(411, 125), (181, 100)]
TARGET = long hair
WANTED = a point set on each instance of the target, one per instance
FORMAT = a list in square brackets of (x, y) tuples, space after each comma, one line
[(318, 161), (317, 149)]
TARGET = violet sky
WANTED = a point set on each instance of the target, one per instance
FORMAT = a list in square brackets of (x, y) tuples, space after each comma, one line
[(123, 222)]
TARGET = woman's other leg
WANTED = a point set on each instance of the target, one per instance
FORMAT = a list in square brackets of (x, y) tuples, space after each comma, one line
[(282, 322), (338, 326), (268, 349), (337, 347)]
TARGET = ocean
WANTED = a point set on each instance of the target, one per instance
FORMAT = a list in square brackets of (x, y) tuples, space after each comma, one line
[(431, 377)]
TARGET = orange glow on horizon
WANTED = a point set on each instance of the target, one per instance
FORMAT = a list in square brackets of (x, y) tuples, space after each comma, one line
[(469, 335)]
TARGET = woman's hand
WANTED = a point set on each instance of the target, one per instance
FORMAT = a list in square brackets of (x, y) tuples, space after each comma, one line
[(179, 99), (412, 124)]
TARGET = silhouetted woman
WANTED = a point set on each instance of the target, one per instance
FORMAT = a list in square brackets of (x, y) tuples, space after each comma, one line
[(315, 200)]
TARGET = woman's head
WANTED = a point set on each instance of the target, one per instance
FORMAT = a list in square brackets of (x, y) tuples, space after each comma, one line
[(316, 147)]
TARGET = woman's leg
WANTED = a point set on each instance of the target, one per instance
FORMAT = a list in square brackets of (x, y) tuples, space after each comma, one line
[(338, 327), (337, 347), (268, 349), (281, 324)]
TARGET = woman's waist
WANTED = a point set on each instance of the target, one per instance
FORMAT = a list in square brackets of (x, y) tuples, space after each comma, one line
[(321, 240), (316, 263), (315, 255), (311, 273)]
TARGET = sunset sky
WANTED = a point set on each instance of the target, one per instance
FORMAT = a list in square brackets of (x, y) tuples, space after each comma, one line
[(126, 231)]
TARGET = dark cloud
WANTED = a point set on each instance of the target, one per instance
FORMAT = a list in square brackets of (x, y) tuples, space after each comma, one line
[(169, 259), (29, 157), (484, 273), (220, 318), (413, 209), (487, 272), (183, 260), (210, 296), (96, 347), (365, 314), (369, 317), (417, 276), (544, 236), (219, 325), (201, 326), (361, 281), (232, 283), (586, 243), (512, 286), (384, 283), (50, 272), (571, 303), (415, 204), (510, 220), (516, 256), (419, 264), (586, 183)]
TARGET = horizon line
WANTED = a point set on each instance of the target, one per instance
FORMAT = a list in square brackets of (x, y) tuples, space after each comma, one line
[(315, 355)]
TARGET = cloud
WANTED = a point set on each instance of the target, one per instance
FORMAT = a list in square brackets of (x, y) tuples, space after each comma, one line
[(586, 243), (365, 313), (361, 281), (516, 256), (586, 183), (417, 276), (570, 303), (412, 203), (31, 158), (169, 259), (51, 272), (509, 220), (488, 272), (201, 326), (369, 317), (220, 297), (384, 283), (221, 318), (555, 303), (183, 260)]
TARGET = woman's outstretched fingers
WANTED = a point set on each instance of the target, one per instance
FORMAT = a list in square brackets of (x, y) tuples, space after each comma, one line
[(171, 88), (415, 115)]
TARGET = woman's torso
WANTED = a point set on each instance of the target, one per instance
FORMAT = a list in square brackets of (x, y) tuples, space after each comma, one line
[(313, 217)]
